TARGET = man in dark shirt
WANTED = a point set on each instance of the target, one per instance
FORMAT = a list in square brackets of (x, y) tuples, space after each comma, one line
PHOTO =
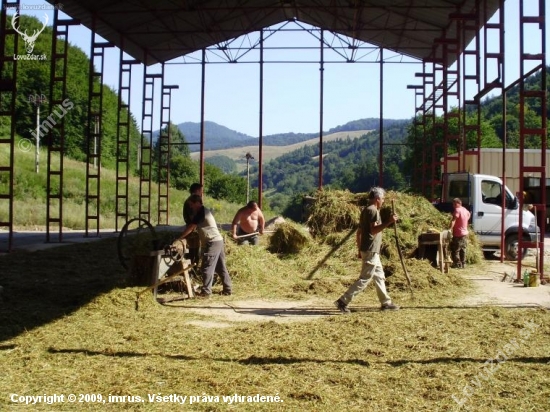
[(369, 240), (193, 243)]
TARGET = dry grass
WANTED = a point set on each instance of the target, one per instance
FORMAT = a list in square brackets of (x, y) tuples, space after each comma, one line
[(288, 237), (68, 325)]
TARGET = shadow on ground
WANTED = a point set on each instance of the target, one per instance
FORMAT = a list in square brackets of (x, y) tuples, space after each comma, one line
[(42, 286), (283, 360)]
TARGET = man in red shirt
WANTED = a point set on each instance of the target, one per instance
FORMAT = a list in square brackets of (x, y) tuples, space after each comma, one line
[(459, 229)]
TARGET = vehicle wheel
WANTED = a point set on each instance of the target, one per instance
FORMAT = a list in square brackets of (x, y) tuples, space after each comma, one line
[(137, 237), (511, 246)]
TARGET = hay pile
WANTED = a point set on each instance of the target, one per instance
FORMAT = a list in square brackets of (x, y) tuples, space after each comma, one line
[(416, 216), (335, 215), (333, 211), (288, 237)]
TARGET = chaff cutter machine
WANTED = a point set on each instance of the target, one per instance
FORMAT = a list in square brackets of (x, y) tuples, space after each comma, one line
[(171, 272), (166, 270)]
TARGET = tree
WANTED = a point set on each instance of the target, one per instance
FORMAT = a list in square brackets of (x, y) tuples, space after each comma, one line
[(33, 78), (226, 164)]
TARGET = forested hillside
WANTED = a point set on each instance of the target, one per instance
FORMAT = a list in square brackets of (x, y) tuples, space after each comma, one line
[(217, 136), (33, 78), (347, 164)]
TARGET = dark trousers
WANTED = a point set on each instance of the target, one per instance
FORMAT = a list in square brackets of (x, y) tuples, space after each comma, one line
[(458, 250), (253, 240), (213, 261)]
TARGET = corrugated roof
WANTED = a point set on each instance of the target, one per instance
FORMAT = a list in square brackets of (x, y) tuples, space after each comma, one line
[(161, 30)]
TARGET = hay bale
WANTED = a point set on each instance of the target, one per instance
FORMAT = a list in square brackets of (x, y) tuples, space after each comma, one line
[(288, 237), (333, 211)]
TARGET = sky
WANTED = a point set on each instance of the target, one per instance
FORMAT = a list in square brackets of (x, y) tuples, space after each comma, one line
[(291, 90)]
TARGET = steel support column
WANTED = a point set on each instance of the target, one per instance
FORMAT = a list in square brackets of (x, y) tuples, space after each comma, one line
[(535, 96), (203, 85), (261, 123), (452, 120), (124, 123), (8, 90), (439, 142), (495, 58), (146, 147), (427, 127), (471, 86), (321, 88), (381, 124), (164, 148), (431, 79), (56, 131), (417, 177), (94, 132)]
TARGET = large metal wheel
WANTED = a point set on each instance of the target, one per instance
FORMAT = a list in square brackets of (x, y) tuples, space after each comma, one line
[(137, 237)]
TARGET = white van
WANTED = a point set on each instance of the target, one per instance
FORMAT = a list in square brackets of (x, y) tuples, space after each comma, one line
[(482, 195)]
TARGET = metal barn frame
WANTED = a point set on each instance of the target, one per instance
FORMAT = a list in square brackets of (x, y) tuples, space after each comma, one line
[(449, 40)]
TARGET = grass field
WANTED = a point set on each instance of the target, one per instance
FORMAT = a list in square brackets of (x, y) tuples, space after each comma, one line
[(68, 326), (29, 204)]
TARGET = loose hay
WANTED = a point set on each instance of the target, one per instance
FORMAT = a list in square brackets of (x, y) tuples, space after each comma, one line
[(334, 217), (288, 238), (332, 211), (69, 322)]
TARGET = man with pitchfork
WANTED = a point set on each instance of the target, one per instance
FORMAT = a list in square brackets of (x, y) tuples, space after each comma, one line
[(369, 240)]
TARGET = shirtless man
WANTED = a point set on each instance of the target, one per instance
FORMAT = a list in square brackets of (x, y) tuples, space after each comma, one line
[(250, 219)]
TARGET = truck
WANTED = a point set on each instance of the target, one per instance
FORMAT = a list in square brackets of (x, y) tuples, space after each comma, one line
[(482, 196), (490, 161)]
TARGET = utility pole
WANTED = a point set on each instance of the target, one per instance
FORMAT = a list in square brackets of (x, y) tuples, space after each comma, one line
[(37, 100), (248, 158)]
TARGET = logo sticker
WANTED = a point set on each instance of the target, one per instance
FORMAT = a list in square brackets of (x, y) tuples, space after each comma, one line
[(28, 39)]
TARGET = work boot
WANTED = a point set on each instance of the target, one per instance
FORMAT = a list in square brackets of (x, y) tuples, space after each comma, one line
[(202, 295), (342, 307), (390, 306)]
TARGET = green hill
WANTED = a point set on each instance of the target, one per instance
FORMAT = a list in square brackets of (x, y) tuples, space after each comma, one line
[(270, 152), (30, 195), (33, 78), (220, 137)]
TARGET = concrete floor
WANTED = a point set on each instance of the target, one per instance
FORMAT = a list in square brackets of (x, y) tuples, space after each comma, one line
[(492, 290), (31, 241)]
